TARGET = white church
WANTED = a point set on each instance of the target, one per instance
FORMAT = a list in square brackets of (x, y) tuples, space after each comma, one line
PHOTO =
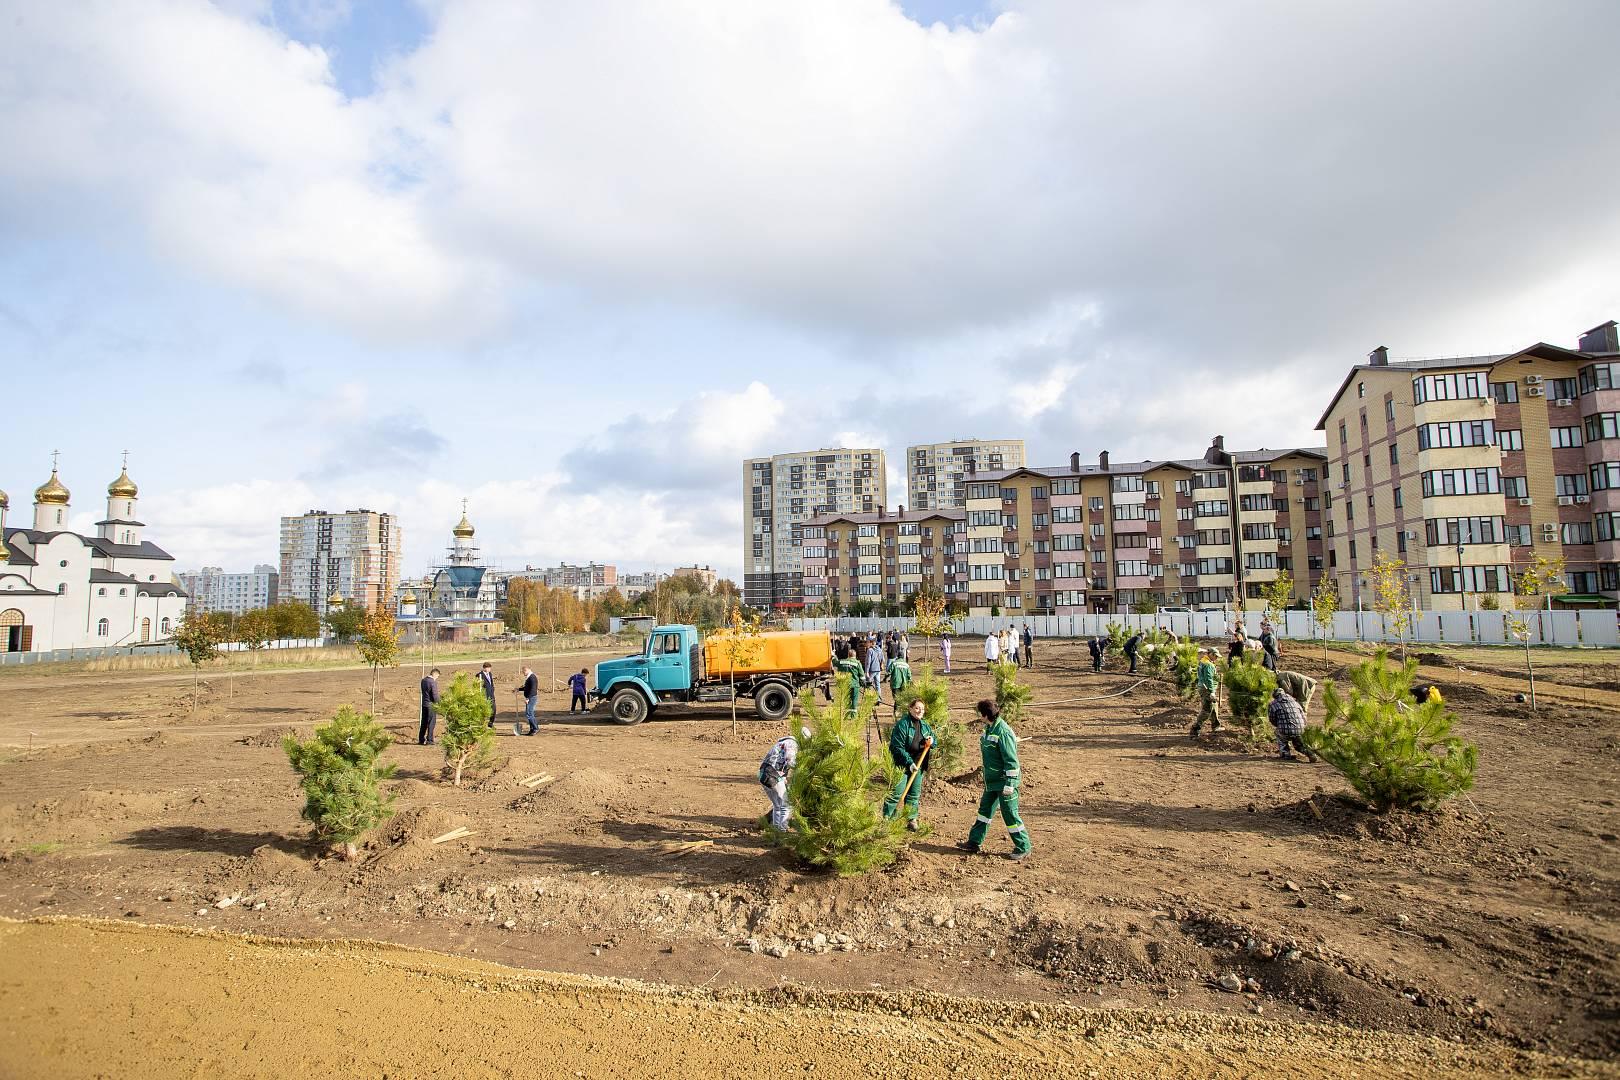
[(62, 590)]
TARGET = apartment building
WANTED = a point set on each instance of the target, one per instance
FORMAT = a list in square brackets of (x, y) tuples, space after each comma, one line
[(1468, 467), (1078, 538), (936, 473), (211, 589), (353, 556), (633, 585), (587, 582), (705, 575), (780, 493), (883, 556)]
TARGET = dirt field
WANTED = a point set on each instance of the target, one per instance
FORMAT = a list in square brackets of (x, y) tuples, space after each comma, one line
[(77, 1003), (1161, 864)]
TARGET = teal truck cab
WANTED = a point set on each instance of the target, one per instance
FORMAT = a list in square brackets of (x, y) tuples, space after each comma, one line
[(676, 665)]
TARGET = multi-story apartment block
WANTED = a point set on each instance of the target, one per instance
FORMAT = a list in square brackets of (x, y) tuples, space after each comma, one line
[(353, 556), (704, 574), (884, 556), (1466, 468), (1071, 539), (587, 582), (212, 589), (633, 585), (779, 493), (936, 473)]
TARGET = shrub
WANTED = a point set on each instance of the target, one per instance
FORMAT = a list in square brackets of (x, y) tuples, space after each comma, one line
[(1011, 695), (468, 740), (340, 777), (1248, 693), (838, 821), (1155, 652), (1114, 642), (1183, 664), (949, 735), (1395, 754)]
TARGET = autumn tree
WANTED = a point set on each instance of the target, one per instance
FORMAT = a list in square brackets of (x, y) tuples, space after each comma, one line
[(741, 644), (1278, 594), (295, 619), (345, 621), (378, 641), (1543, 577), (1324, 606), (928, 606), (1392, 596), (199, 637), (254, 629)]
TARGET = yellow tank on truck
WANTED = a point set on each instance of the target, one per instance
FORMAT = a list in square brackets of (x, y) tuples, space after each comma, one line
[(785, 651)]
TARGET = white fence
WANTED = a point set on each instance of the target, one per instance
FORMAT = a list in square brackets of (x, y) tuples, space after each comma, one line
[(1592, 628)]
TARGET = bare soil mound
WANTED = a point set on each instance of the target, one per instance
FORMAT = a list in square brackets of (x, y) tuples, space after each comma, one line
[(406, 842), (508, 771), (79, 816), (587, 791), (268, 738)]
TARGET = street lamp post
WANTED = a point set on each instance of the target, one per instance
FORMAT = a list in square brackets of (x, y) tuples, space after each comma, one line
[(1462, 593)]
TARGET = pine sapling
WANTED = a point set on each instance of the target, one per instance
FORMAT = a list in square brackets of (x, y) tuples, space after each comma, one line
[(1011, 695), (468, 739), (1183, 665), (949, 735), (1155, 651), (341, 777), (1396, 754), (838, 821), (1114, 642), (1248, 692)]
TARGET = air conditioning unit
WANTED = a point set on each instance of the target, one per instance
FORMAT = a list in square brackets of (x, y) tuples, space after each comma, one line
[(1534, 380), (1583, 499), (1534, 391), (1299, 480), (1152, 495), (1299, 502), (1564, 401), (1410, 534), (1549, 529), (1566, 500), (1527, 502)]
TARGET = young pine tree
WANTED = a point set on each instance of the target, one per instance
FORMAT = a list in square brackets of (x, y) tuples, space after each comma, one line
[(1155, 650), (949, 735), (838, 821), (340, 777), (1183, 665), (1011, 695), (1394, 753), (1114, 640), (1248, 692), (469, 743)]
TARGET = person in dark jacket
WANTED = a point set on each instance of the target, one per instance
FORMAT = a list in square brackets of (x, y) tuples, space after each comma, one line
[(430, 708), (1234, 647), (576, 683), (486, 679), (1028, 639), (1095, 647), (909, 741), (1269, 654), (1132, 643), (530, 691), (1287, 718)]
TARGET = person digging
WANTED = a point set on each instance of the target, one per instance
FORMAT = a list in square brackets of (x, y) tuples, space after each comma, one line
[(909, 743), (998, 754)]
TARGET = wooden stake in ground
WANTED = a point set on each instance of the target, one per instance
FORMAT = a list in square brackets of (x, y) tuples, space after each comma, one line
[(453, 834)]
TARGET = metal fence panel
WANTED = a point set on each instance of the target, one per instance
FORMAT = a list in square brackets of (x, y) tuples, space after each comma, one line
[(1599, 627)]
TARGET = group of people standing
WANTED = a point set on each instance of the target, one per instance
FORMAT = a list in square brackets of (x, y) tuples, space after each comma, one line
[(529, 688), (1003, 646), (873, 659)]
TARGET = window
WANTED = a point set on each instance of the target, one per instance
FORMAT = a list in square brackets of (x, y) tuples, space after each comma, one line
[(1456, 433), (1128, 483), (983, 545), (1313, 532), (1515, 487), (867, 530), (1066, 486), (1505, 393), (1208, 480), (1130, 540), (1576, 532), (1605, 475), (1253, 474), (1038, 520), (1570, 484), (1183, 487), (1344, 437), (1344, 472), (1600, 377), (101, 591), (1037, 493), (1097, 530), (1130, 512), (1400, 499), (1069, 542), (1095, 504), (1215, 566), (984, 518), (1604, 425), (1518, 535), (1394, 454), (1260, 560), (1467, 530), (1564, 437), (1461, 482), (164, 625), (1453, 387), (1257, 532), (1212, 508), (1400, 541), (1214, 536), (1313, 502), (1009, 495), (1582, 581), (1510, 440), (984, 491), (1067, 515), (1563, 388), (1361, 389), (1131, 568), (1254, 502), (1446, 579), (102, 628), (1184, 513), (61, 590), (1389, 410)]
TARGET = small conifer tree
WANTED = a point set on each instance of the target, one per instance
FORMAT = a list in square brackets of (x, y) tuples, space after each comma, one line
[(468, 740), (1248, 691), (838, 821), (1114, 641), (1395, 753), (340, 777), (1155, 650), (949, 735), (1183, 665), (1011, 695)]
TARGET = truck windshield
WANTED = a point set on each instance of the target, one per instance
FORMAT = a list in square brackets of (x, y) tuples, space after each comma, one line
[(666, 643)]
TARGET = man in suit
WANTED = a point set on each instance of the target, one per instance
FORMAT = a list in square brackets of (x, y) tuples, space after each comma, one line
[(530, 691), (430, 703), (486, 677)]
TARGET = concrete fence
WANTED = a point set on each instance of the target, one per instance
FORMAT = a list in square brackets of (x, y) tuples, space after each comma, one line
[(1589, 628)]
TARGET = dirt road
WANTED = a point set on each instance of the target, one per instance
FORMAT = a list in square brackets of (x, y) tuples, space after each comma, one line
[(85, 999)]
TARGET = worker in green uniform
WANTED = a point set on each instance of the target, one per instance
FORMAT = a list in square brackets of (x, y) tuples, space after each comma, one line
[(998, 753), (848, 665), (1208, 688), (908, 749), (899, 679)]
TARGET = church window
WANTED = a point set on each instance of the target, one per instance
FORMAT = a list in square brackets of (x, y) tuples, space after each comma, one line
[(61, 590), (64, 562), (102, 627), (101, 591), (165, 625), (123, 592)]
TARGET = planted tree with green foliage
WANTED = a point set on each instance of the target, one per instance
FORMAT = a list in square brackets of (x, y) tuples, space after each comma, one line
[(1248, 693), (255, 629), (1325, 605), (199, 637), (341, 777), (1011, 695), (1116, 636), (1396, 754), (1154, 649), (469, 742), (1183, 665), (949, 735), (345, 621), (838, 821), (378, 643), (1278, 594), (295, 619)]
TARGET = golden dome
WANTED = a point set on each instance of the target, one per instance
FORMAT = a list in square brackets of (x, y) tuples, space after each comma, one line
[(4, 501), (335, 598), (463, 529), (51, 492), (123, 487)]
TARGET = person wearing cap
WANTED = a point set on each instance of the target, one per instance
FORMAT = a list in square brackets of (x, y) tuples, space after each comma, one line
[(1208, 681), (774, 772), (909, 741), (998, 757), (1287, 718)]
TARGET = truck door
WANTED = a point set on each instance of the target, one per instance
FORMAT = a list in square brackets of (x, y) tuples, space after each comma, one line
[(666, 663)]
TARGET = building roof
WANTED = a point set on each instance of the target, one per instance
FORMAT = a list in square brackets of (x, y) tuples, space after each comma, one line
[(121, 521), (143, 550), (158, 588), (875, 518), (110, 577), (1134, 468), (18, 558), (28, 591), (465, 577)]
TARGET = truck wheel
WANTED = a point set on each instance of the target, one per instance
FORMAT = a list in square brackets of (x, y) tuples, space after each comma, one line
[(629, 707), (773, 701)]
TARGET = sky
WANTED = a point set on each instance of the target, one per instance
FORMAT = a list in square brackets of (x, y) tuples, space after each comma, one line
[(575, 262)]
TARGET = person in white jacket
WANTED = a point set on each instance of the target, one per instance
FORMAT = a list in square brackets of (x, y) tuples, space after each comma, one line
[(992, 650)]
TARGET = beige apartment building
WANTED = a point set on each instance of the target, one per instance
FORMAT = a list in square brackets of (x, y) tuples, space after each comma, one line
[(353, 557), (936, 473), (783, 491), (1203, 532), (1465, 468), (884, 556)]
